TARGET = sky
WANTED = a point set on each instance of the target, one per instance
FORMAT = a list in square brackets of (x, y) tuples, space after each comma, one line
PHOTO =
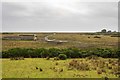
[(59, 16)]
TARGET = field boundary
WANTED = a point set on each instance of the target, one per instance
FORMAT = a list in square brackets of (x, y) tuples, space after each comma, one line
[(61, 79)]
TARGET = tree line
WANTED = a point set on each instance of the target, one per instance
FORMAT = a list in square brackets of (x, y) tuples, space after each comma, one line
[(55, 52)]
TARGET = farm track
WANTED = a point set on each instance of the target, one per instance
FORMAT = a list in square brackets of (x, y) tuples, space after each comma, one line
[(62, 41), (46, 38), (54, 40)]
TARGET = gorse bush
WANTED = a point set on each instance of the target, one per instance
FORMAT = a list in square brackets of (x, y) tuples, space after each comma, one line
[(62, 56), (55, 52)]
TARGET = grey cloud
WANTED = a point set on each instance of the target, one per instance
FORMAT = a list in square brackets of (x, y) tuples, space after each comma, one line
[(18, 17), (1, 17)]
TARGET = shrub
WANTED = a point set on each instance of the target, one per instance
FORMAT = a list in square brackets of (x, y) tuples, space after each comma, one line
[(44, 53), (56, 58), (54, 52), (5, 54), (62, 56), (103, 31)]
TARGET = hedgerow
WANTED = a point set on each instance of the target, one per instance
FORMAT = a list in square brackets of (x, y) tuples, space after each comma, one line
[(54, 52)]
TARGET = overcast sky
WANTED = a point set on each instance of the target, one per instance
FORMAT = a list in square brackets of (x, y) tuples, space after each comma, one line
[(59, 15)]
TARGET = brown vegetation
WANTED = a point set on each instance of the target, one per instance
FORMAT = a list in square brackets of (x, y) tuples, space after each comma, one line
[(17, 58)]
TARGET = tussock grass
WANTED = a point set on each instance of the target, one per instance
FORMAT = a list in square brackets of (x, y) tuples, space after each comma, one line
[(74, 40), (42, 68)]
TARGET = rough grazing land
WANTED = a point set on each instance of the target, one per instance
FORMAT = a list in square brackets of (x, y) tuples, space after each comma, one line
[(70, 68), (75, 40), (42, 68)]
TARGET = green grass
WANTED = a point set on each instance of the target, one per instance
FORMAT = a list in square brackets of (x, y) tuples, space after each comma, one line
[(27, 68)]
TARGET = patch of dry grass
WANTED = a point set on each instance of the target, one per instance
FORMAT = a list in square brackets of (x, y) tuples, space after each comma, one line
[(74, 40)]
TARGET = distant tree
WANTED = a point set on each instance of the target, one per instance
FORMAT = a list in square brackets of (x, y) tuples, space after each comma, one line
[(109, 31), (114, 31), (104, 31)]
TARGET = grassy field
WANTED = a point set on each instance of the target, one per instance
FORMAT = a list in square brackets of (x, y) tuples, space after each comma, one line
[(74, 40), (31, 67), (50, 69)]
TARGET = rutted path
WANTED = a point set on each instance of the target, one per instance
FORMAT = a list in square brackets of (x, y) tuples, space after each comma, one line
[(54, 40), (46, 38), (60, 41)]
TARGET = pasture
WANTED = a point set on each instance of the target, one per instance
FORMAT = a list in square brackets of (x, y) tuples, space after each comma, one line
[(75, 40), (42, 68), (69, 68)]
